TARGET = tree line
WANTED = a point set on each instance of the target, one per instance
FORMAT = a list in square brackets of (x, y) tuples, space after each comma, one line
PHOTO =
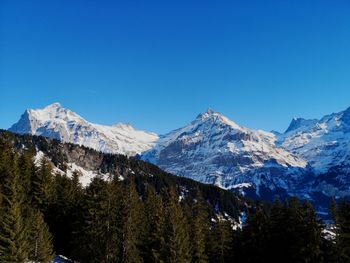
[(138, 220)]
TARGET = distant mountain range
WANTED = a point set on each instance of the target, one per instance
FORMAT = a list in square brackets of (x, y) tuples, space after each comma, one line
[(60, 123), (310, 160)]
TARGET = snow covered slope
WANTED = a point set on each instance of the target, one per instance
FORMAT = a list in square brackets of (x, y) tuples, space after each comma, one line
[(213, 149), (324, 143), (56, 122)]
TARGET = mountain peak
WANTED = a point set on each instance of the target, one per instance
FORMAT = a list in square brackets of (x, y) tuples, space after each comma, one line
[(209, 111), (213, 116), (53, 106), (297, 123), (60, 123), (123, 125), (346, 116)]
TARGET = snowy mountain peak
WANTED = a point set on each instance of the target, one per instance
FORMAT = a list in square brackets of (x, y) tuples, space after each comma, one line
[(54, 105), (213, 149), (57, 122), (210, 110), (346, 116), (324, 143), (54, 111), (297, 123), (204, 115), (216, 118), (123, 125)]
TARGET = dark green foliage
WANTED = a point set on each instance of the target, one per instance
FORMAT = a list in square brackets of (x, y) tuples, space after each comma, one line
[(40, 239), (133, 225), (97, 232), (221, 242), (341, 213), (27, 172), (177, 231), (23, 232), (200, 230), (254, 237), (142, 218), (64, 210), (156, 244), (290, 232), (13, 237), (42, 185)]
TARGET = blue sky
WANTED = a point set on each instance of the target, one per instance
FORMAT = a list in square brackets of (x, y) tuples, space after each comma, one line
[(157, 64)]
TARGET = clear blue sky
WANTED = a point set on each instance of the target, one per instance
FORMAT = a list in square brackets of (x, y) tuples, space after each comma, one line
[(157, 64)]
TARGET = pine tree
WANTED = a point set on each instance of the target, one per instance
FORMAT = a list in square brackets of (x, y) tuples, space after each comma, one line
[(63, 210), (221, 242), (295, 233), (115, 220), (200, 228), (27, 171), (42, 185), (40, 239), (312, 234), (343, 231), (159, 246), (13, 239), (133, 226), (178, 231), (97, 233), (276, 243), (253, 242), (152, 239)]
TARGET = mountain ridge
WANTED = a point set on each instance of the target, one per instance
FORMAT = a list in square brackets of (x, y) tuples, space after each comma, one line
[(55, 121), (309, 158), (215, 150)]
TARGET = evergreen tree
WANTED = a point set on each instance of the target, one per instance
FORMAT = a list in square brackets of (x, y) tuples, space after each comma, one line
[(312, 234), (133, 227), (96, 236), (253, 242), (343, 231), (158, 236), (177, 231), (221, 242), (42, 185), (200, 228), (115, 222), (27, 171), (13, 237), (63, 211), (152, 239), (40, 240), (295, 233)]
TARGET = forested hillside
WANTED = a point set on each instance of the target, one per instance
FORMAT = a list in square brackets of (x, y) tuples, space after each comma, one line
[(138, 213)]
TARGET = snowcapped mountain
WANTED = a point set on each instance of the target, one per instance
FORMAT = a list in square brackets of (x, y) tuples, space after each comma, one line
[(213, 149), (55, 121), (323, 143), (310, 158)]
